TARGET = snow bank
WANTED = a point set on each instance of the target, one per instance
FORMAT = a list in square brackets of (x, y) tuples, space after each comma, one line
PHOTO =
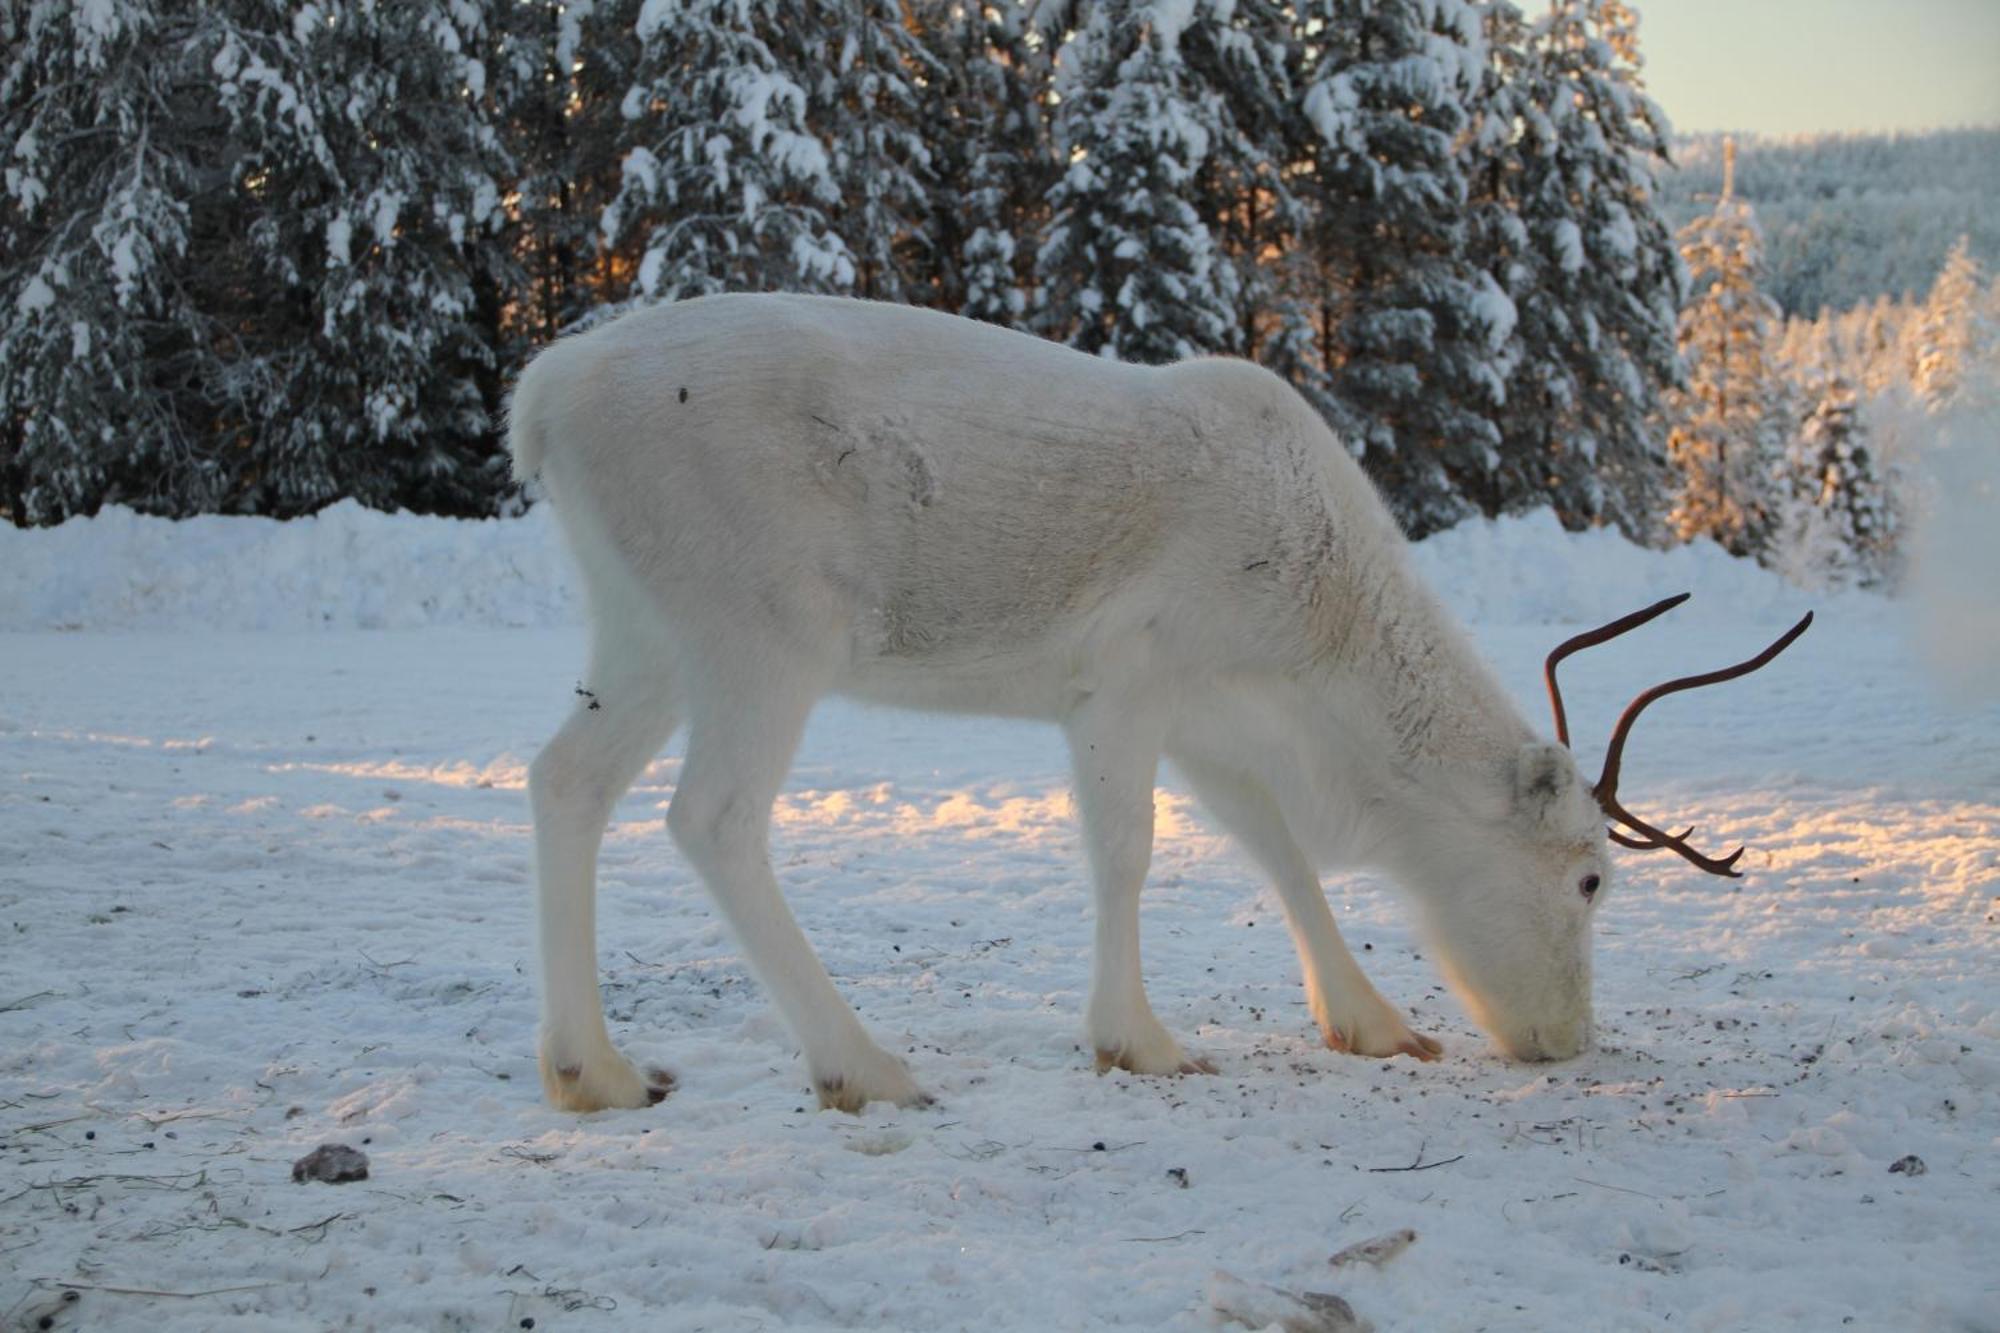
[(345, 568), (350, 567), (1529, 571)]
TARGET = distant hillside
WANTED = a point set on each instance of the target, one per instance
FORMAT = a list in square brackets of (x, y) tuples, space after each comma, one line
[(1848, 218)]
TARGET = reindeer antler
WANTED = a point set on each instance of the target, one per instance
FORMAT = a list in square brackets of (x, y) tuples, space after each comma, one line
[(1606, 790), (1591, 640)]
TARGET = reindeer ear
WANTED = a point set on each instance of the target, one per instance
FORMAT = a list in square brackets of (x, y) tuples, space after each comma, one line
[(1543, 776)]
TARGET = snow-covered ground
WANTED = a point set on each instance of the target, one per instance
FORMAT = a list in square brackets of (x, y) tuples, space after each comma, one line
[(264, 884)]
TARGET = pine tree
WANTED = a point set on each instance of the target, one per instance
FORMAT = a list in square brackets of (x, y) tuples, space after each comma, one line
[(1273, 234), (1877, 348), (1410, 335), (728, 181), (1950, 333), (985, 113), (1729, 421), (368, 184), (1127, 267), (864, 72), (1840, 523), (1567, 222), (1247, 58), (99, 123), (557, 72)]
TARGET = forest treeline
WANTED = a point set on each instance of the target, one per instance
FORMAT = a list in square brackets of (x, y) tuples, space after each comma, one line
[(259, 256), (1848, 218)]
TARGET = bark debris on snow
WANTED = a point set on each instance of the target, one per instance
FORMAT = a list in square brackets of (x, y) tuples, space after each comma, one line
[(1378, 1250), (334, 1163), (1254, 1305)]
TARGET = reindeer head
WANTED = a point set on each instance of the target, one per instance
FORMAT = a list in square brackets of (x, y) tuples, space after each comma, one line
[(1537, 866)]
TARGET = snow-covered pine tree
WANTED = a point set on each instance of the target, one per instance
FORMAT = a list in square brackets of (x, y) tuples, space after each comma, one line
[(1247, 58), (1127, 266), (1411, 334), (556, 76), (863, 69), (1838, 522), (985, 118), (1850, 216), (368, 185), (1567, 222), (1729, 422), (1876, 346), (728, 180), (1949, 333), (101, 115)]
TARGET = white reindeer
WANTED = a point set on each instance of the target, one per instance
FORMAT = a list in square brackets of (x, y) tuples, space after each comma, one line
[(773, 498)]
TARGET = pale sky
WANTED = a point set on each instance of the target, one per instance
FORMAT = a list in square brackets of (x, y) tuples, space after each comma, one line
[(1799, 66)]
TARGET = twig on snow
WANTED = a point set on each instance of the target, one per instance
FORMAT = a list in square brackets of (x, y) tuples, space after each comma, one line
[(1419, 1164), (154, 1122), (1620, 1188), (195, 1179), (319, 1226), (150, 1291), (24, 1001), (48, 1124)]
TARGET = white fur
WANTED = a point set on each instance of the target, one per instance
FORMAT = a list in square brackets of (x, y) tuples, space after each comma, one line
[(773, 498)]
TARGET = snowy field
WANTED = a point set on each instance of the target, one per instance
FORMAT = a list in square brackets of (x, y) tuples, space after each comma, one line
[(265, 884)]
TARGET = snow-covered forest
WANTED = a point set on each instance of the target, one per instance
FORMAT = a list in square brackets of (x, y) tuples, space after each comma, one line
[(255, 258), (260, 258), (1850, 217)]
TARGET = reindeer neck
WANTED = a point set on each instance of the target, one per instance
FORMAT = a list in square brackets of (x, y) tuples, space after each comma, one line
[(1420, 680)]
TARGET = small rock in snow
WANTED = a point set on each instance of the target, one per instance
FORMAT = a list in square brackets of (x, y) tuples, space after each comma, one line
[(1911, 1165), (335, 1163)]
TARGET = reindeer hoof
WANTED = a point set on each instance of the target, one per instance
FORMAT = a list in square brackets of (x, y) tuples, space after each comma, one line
[(837, 1094), (1131, 1062), (601, 1083), (1423, 1048), (1382, 1045), (880, 1077)]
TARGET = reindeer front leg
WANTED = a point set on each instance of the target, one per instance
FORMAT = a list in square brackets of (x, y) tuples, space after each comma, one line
[(1351, 1013), (1115, 755)]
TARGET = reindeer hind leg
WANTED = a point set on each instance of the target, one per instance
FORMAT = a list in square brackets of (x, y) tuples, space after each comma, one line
[(617, 727)]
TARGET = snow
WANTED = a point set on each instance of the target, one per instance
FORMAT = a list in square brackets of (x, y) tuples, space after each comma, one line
[(1331, 105), (269, 887), (339, 239), (1495, 312), (1168, 19), (36, 297), (1568, 245), (98, 22), (349, 567), (386, 205), (25, 188), (1619, 235)]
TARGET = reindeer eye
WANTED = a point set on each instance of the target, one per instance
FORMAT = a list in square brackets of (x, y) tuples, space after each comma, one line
[(1588, 885)]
